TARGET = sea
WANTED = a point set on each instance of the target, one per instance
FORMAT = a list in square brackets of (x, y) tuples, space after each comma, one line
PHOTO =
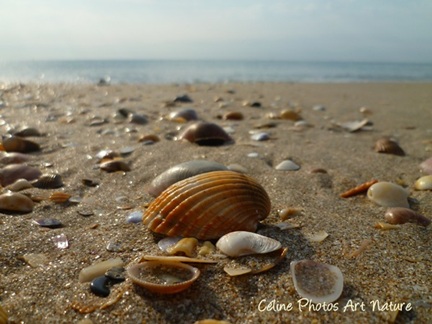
[(209, 71)]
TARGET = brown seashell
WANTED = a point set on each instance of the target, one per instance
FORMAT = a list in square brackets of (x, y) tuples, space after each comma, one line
[(207, 134), (290, 114), (389, 146), (18, 144), (48, 181), (233, 115), (14, 158), (9, 174), (153, 138), (59, 197), (16, 202), (359, 189), (182, 171), (115, 165), (208, 206), (163, 277), (401, 215), (183, 115), (27, 132)]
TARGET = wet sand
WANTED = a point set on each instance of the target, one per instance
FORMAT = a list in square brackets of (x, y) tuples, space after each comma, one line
[(393, 268)]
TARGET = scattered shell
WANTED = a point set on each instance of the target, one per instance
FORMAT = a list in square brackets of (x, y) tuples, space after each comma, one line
[(114, 246), (183, 115), (35, 259), (16, 202), (426, 166), (59, 197), (290, 114), (355, 125), (14, 158), (48, 222), (209, 205), (207, 248), (134, 217), (287, 165), (61, 241), (389, 146), (168, 242), (386, 226), (316, 237), (149, 139), (388, 194), (233, 115), (183, 99), (359, 189), (175, 259), (95, 270), (12, 172), (182, 171), (241, 243), (318, 282), (286, 213), (365, 111), (116, 274), (234, 272), (206, 134), (48, 181), (318, 108), (106, 155), (18, 144), (114, 166), (137, 119), (400, 215), (260, 136), (27, 132), (424, 183), (185, 246), (163, 277), (19, 185), (90, 182), (285, 225)]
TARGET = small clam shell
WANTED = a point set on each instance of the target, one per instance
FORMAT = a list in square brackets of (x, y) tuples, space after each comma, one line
[(184, 115), (206, 134), (354, 126), (14, 158), (400, 215), (208, 205), (18, 144), (182, 171), (114, 166), (424, 183), (16, 202), (318, 282), (241, 243), (19, 185), (59, 197), (389, 146), (48, 181), (163, 277), (233, 115), (388, 194), (287, 165), (11, 173), (290, 114)]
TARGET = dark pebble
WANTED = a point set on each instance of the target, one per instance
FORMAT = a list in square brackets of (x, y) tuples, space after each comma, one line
[(48, 222), (100, 286), (184, 99)]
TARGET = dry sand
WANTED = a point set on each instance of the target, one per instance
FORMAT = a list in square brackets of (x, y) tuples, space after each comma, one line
[(393, 268)]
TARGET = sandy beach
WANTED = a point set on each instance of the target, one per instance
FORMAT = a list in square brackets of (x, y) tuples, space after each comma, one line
[(380, 267)]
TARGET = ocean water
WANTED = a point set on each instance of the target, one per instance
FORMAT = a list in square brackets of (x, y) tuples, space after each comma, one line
[(191, 71)]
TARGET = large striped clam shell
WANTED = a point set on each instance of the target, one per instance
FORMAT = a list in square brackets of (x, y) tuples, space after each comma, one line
[(208, 206)]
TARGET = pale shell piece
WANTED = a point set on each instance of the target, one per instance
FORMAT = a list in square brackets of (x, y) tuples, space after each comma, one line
[(175, 259), (400, 215), (98, 269), (318, 282), (316, 237), (14, 158), (61, 241), (241, 243), (426, 166), (163, 277), (35, 259), (424, 183), (207, 248), (19, 185), (287, 165), (208, 206), (182, 171), (16, 202), (186, 245), (262, 136), (168, 242), (233, 272), (354, 126), (388, 194)]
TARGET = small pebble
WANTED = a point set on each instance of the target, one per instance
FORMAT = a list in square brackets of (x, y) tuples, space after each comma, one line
[(100, 286), (134, 217), (48, 222), (116, 274)]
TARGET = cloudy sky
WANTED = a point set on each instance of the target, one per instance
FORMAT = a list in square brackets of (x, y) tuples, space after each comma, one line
[(360, 30)]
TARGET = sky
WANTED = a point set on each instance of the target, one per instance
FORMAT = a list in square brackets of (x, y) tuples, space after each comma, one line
[(320, 30)]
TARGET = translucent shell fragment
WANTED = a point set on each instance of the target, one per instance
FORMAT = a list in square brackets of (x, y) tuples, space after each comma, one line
[(163, 277), (388, 194), (318, 282), (208, 206)]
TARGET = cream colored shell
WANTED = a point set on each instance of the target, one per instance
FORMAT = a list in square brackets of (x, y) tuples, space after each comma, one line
[(208, 205)]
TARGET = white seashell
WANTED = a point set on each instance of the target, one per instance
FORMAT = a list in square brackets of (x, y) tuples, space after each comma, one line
[(318, 282), (241, 243), (19, 185), (354, 125), (287, 165), (424, 183), (16, 202), (388, 194)]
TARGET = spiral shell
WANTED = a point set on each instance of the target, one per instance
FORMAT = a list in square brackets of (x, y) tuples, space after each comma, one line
[(208, 205)]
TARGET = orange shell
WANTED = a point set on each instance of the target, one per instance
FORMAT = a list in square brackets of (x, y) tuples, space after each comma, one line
[(208, 206)]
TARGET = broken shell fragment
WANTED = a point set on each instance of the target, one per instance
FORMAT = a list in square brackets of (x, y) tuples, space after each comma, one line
[(318, 282), (206, 134), (209, 205), (388, 194), (424, 183), (206, 248), (359, 189), (16, 202), (241, 243), (185, 246), (389, 146), (163, 277), (182, 171), (95, 270), (400, 215)]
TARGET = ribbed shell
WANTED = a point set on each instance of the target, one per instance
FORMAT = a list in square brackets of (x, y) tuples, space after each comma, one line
[(209, 205)]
